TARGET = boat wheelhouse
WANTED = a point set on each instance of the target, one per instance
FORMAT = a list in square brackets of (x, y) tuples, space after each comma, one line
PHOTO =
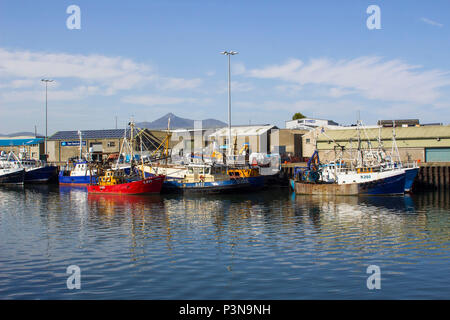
[(81, 174)]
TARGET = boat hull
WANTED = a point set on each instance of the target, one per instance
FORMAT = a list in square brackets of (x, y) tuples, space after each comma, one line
[(12, 176), (76, 180), (410, 176), (257, 182), (40, 174), (174, 185), (144, 186), (393, 185)]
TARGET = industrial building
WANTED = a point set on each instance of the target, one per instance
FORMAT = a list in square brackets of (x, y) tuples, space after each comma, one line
[(430, 143), (309, 123), (260, 139), (65, 145), (288, 143), (33, 146), (256, 136)]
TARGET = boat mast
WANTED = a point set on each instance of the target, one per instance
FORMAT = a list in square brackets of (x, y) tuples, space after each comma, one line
[(394, 145), (142, 161), (121, 148), (359, 162), (81, 144), (132, 141), (166, 152)]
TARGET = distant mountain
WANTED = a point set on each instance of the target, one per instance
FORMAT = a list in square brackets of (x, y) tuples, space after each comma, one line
[(177, 123), (17, 134)]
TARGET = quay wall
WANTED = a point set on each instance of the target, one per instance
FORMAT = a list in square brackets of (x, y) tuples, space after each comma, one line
[(433, 175)]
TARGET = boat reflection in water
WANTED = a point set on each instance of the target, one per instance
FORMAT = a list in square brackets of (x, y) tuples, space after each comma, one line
[(121, 200), (112, 204), (64, 189), (381, 204), (356, 217)]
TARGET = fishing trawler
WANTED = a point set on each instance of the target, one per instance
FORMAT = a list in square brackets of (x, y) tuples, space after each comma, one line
[(336, 178), (172, 171), (81, 174), (206, 178), (158, 161), (117, 182), (11, 175), (252, 174), (372, 171), (35, 171), (394, 161)]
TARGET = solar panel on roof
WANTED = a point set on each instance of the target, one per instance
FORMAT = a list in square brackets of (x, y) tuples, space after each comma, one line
[(90, 134)]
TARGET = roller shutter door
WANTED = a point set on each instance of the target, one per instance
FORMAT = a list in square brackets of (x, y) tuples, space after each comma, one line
[(437, 155)]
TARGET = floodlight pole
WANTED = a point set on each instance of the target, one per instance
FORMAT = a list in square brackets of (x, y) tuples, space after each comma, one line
[(46, 83), (229, 54)]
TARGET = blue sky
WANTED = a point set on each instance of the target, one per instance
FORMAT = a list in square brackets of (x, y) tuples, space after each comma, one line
[(147, 58)]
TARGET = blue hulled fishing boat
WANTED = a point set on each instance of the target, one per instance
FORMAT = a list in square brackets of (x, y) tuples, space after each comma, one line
[(80, 174), (35, 171), (410, 176), (204, 178), (338, 179), (10, 175)]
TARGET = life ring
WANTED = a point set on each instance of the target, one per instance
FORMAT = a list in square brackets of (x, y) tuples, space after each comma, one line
[(202, 178)]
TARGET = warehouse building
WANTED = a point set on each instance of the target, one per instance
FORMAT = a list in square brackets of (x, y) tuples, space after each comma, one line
[(260, 139), (256, 136), (288, 143), (32, 146), (429, 143), (101, 144), (309, 123)]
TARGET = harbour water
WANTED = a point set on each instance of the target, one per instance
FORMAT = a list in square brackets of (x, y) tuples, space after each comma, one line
[(263, 245)]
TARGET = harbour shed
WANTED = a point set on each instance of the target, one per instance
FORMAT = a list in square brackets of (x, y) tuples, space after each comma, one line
[(256, 136), (309, 123), (417, 143), (101, 144), (31, 145), (288, 143)]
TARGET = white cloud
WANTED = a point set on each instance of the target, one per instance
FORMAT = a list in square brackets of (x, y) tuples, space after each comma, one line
[(371, 77), (284, 71), (19, 69), (158, 100), (149, 100), (236, 86), (19, 83), (237, 68), (28, 64), (339, 92), (179, 83), (431, 22), (77, 93)]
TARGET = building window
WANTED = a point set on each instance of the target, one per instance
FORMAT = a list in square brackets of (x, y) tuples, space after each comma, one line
[(308, 140), (111, 144)]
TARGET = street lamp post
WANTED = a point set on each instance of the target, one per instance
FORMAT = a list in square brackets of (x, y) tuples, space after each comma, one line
[(229, 54), (46, 84)]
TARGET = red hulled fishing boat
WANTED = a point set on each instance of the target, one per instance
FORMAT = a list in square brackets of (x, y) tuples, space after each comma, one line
[(115, 182)]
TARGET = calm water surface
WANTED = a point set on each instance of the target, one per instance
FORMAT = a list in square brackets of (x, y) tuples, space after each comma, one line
[(263, 245)]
